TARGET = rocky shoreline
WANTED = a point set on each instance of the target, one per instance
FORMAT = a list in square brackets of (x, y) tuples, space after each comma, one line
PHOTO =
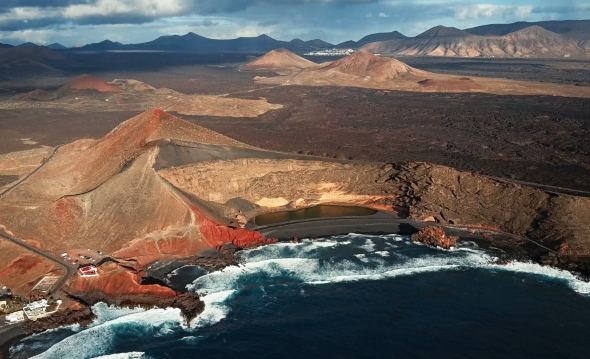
[(189, 303), (512, 248)]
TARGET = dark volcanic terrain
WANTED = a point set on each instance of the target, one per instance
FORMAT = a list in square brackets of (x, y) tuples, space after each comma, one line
[(529, 138), (541, 139)]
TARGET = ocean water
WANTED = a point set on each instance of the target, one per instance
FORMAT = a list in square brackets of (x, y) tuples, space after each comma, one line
[(353, 296)]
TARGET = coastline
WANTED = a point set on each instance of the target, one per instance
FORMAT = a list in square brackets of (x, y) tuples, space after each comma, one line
[(10, 335), (380, 223)]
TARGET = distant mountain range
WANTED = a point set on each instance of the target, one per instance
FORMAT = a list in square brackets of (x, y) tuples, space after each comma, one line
[(57, 46), (27, 44), (531, 41), (32, 60), (558, 27), (569, 38), (383, 36)]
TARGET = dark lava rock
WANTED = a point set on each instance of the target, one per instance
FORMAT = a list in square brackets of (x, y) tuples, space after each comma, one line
[(435, 237), (60, 319), (189, 303)]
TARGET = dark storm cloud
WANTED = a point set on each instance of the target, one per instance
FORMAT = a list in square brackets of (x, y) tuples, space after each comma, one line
[(207, 7), (16, 25), (134, 11), (10, 4)]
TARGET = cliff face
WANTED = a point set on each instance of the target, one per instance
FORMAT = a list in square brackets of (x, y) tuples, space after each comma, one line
[(560, 222), (276, 183), (429, 192)]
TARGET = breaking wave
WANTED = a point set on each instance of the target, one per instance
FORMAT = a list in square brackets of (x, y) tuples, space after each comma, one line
[(131, 355), (357, 257), (337, 259)]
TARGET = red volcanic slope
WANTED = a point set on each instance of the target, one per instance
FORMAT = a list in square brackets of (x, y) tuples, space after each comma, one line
[(280, 58), (36, 95), (79, 172), (364, 64), (216, 234), (87, 82)]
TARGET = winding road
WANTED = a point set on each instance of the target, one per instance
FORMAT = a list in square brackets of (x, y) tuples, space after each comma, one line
[(18, 183), (70, 269), (544, 187)]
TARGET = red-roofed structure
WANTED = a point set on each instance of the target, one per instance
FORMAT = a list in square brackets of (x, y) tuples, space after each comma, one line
[(88, 271)]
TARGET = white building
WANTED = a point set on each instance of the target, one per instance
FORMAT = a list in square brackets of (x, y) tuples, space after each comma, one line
[(331, 52), (15, 317), (38, 309)]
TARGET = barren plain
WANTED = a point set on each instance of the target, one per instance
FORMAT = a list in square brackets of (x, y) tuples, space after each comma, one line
[(531, 138)]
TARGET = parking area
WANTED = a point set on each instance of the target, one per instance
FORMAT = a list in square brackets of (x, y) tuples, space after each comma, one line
[(83, 256)]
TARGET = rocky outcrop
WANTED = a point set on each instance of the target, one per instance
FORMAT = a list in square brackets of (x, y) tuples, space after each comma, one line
[(189, 303), (435, 237), (274, 183), (217, 234), (80, 315)]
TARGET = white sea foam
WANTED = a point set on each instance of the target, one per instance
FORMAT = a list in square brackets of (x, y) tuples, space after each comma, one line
[(369, 246), (131, 355), (215, 309), (269, 264), (311, 270), (100, 338), (562, 275), (285, 264)]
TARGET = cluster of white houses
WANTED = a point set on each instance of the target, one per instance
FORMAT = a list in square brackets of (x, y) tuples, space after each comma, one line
[(42, 308), (331, 52), (33, 311)]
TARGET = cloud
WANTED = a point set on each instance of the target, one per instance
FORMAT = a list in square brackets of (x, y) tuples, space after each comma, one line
[(11, 4), (481, 11), (332, 20)]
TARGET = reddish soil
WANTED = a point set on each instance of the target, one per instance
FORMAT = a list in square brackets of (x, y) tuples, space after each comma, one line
[(116, 280), (96, 161), (87, 82), (35, 95), (216, 234), (280, 58), (364, 64)]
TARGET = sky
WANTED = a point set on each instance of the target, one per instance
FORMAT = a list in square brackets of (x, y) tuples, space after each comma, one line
[(76, 22)]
